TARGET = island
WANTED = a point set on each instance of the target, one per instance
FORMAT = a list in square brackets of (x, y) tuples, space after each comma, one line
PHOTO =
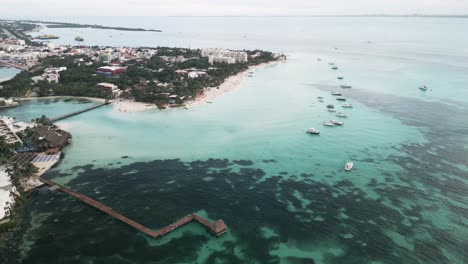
[(51, 24), (159, 77)]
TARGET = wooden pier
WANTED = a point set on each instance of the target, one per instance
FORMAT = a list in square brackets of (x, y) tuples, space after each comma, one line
[(218, 228), (78, 112)]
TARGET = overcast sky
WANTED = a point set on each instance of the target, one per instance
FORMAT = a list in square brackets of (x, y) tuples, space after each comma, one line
[(42, 8)]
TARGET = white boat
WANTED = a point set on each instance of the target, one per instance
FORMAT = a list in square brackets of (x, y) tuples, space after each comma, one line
[(336, 93), (328, 123), (341, 114), (313, 131), (347, 105), (344, 86), (336, 122), (423, 87), (348, 166)]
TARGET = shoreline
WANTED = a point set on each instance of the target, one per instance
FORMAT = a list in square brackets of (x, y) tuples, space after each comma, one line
[(209, 94), (230, 83)]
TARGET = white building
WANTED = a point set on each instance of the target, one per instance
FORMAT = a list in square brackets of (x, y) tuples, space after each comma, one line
[(221, 59), (224, 56)]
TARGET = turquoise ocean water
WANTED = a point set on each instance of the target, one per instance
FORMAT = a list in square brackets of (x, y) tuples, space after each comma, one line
[(247, 160)]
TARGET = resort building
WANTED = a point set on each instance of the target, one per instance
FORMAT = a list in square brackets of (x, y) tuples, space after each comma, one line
[(116, 92), (224, 56)]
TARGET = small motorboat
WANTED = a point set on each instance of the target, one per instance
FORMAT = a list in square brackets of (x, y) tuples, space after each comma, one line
[(344, 86), (348, 166), (331, 110), (321, 101), (341, 114), (340, 78), (347, 105), (313, 131), (320, 97), (336, 122), (341, 99), (423, 88), (330, 106), (328, 123), (331, 63), (334, 68), (319, 59), (336, 93)]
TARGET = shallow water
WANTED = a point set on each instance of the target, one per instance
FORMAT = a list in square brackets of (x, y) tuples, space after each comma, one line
[(247, 160)]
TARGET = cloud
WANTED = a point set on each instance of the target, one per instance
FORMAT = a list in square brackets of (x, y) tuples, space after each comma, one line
[(227, 7)]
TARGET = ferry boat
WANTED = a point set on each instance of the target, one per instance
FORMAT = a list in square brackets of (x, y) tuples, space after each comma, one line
[(336, 122), (347, 105), (349, 166), (47, 36), (328, 123), (313, 131), (341, 99), (423, 87), (344, 86), (336, 93), (341, 114)]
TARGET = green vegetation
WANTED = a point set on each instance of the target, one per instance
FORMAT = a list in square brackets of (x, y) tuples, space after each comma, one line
[(6, 150), (149, 80)]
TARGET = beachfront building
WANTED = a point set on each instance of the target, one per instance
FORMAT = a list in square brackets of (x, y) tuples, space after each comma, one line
[(7, 102), (114, 89), (111, 70), (224, 56)]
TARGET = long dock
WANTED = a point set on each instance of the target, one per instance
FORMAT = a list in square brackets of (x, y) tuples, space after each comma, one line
[(78, 112), (217, 228)]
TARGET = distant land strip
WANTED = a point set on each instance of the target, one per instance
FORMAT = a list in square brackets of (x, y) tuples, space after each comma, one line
[(75, 25)]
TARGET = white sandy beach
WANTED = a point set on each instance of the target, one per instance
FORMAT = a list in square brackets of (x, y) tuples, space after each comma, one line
[(210, 93), (129, 106), (231, 83), (5, 79)]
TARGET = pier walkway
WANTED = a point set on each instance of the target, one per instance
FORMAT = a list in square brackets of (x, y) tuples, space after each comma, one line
[(78, 112), (218, 228)]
